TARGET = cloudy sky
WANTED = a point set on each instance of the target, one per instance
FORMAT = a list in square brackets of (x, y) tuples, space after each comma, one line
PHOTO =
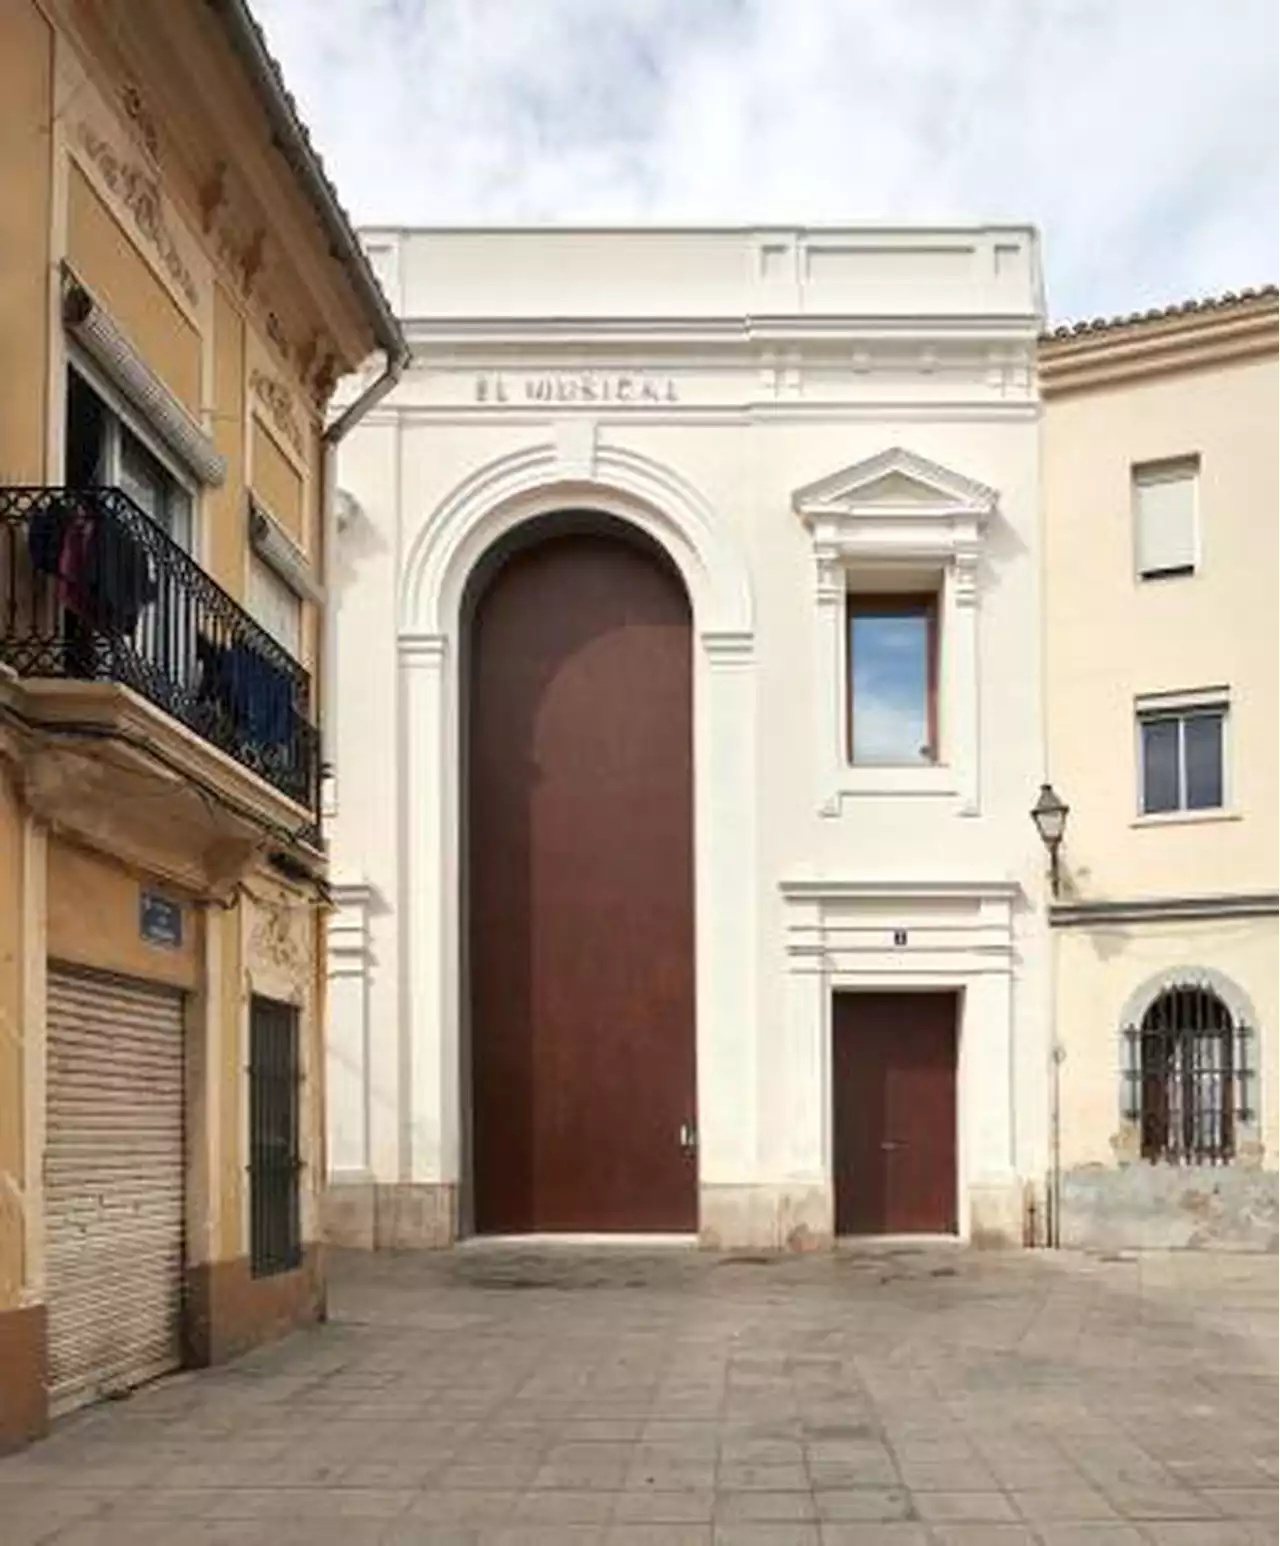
[(1140, 135)]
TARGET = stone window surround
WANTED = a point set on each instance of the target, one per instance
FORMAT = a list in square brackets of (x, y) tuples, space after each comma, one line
[(1248, 1135), (856, 530)]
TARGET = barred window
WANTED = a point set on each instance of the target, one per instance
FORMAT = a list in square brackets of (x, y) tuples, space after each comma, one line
[(275, 1161), (1188, 1076)]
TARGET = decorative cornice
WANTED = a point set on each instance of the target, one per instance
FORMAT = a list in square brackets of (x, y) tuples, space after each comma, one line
[(861, 331), (852, 489), (1136, 348), (895, 506), (1254, 904), (992, 889)]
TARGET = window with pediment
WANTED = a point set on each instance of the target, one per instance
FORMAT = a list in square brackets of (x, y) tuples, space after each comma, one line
[(897, 544)]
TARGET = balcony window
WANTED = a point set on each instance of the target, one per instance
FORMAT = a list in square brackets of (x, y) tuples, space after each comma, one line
[(102, 449), (97, 583)]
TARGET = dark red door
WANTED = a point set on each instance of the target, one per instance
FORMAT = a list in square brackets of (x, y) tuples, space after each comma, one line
[(894, 1093), (580, 891)]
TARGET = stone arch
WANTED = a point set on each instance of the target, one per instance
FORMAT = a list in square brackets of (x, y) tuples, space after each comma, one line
[(572, 472), (539, 479), (1232, 995)]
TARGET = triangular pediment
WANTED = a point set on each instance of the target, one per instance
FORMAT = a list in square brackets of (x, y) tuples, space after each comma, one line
[(895, 481)]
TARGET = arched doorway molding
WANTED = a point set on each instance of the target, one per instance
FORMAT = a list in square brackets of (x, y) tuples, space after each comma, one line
[(478, 514)]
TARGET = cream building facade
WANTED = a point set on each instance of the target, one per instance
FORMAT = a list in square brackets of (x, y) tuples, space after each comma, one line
[(689, 716), (180, 291), (1160, 501)]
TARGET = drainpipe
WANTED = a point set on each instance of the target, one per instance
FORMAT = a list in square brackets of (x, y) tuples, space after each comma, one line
[(1055, 1181), (1057, 1056), (396, 365)]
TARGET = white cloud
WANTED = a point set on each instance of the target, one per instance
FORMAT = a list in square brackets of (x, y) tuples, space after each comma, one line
[(1141, 135)]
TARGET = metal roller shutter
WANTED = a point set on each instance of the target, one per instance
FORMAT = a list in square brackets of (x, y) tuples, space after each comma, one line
[(114, 1171)]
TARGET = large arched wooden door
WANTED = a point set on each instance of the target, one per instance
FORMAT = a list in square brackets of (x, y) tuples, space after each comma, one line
[(580, 890)]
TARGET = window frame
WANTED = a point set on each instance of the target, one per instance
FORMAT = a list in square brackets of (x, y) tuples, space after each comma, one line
[(1188, 464), (896, 604), (255, 561), (1180, 707), (1167, 1076), (121, 414)]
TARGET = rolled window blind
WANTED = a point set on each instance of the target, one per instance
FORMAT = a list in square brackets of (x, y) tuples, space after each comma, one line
[(1164, 512), (275, 549), (107, 346)]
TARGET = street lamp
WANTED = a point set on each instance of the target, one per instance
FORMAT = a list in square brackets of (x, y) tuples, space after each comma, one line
[(1050, 816)]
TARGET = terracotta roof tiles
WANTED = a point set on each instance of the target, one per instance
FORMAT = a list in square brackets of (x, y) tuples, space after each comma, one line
[(1163, 313)]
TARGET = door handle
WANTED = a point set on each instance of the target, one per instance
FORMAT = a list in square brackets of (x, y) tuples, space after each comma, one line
[(688, 1137), (889, 1143)]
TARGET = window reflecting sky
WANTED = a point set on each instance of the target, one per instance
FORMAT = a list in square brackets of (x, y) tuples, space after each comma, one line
[(890, 671)]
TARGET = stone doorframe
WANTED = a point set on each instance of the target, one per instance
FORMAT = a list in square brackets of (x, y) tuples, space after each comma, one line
[(572, 472)]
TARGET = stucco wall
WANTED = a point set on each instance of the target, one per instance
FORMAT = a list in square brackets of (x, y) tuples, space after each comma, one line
[(26, 174), (1215, 628), (135, 152), (278, 484), (224, 546), (93, 920), (102, 257), (737, 443), (14, 1053)]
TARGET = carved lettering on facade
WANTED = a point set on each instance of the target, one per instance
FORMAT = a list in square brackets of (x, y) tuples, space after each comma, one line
[(140, 195), (277, 399), (565, 388)]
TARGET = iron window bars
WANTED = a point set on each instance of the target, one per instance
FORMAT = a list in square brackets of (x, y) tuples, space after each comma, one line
[(275, 1160), (1188, 1077)]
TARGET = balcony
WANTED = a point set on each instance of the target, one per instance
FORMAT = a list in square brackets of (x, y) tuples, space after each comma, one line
[(92, 590)]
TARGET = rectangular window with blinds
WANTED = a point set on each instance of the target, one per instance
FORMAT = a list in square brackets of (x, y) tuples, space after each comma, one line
[(1166, 517), (275, 1159), (1182, 761), (272, 602)]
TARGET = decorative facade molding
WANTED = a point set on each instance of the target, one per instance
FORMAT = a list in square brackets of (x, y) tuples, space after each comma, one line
[(279, 945), (898, 509), (140, 194), (910, 935), (139, 115), (277, 399), (539, 478)]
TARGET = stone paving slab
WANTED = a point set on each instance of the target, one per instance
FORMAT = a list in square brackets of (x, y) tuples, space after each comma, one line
[(499, 1395)]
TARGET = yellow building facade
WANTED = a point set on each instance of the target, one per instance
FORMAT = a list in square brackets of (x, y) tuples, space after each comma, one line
[(179, 292), (1160, 500)]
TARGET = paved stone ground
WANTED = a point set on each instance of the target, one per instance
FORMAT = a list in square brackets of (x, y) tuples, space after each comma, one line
[(496, 1396)]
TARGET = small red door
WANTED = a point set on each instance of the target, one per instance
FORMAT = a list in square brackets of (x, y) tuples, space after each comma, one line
[(894, 1093)]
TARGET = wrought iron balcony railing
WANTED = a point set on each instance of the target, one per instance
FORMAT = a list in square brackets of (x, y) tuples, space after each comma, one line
[(92, 589)]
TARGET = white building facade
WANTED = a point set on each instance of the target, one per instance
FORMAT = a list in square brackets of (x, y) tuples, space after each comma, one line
[(689, 714)]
